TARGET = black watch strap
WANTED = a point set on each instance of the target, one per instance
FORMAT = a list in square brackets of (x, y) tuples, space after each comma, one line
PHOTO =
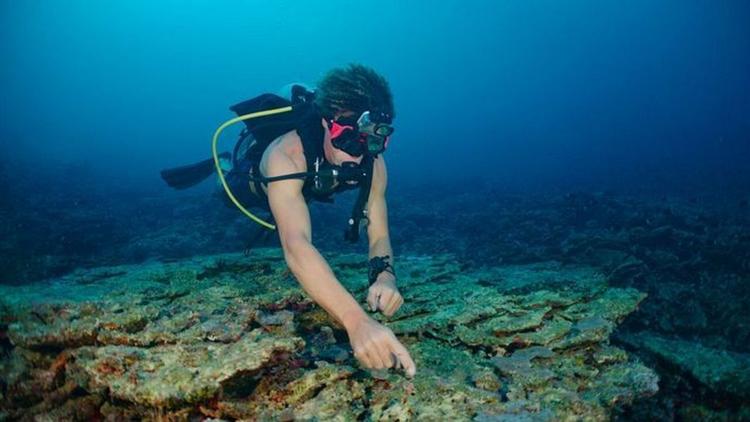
[(377, 265)]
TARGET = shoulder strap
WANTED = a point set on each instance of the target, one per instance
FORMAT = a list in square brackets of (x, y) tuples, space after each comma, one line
[(310, 130)]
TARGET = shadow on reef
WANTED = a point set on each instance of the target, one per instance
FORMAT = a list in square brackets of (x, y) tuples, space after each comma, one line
[(235, 338)]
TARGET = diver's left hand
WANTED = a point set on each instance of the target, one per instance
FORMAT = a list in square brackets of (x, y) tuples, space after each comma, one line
[(384, 296)]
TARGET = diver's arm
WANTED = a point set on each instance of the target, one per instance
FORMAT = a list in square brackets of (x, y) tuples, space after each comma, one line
[(305, 262), (383, 294), (373, 344), (377, 213)]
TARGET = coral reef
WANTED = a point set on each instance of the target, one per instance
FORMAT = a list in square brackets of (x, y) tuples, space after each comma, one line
[(690, 254), (234, 337)]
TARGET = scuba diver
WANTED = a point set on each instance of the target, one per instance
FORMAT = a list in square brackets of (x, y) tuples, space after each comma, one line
[(310, 146)]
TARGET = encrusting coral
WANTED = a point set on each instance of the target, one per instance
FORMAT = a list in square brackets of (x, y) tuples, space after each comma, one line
[(233, 337)]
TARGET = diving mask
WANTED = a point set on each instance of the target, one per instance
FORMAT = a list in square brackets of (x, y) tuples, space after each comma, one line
[(360, 137)]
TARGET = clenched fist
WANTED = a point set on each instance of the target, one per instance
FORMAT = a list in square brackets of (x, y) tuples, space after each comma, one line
[(384, 296)]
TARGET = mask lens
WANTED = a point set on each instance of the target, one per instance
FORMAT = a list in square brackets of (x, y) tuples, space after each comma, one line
[(383, 130)]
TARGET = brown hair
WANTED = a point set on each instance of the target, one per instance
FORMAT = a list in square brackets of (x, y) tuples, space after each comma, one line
[(355, 88)]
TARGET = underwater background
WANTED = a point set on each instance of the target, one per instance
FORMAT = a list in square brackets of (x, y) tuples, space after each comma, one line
[(600, 148)]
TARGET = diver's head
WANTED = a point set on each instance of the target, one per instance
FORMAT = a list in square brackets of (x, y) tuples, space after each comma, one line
[(357, 108)]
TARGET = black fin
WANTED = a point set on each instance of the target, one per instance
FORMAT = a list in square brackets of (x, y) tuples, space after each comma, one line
[(190, 175)]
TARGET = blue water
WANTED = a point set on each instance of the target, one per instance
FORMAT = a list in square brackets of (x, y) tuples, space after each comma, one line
[(611, 134), (542, 94)]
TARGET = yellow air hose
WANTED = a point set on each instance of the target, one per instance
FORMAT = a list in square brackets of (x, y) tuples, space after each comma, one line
[(220, 172)]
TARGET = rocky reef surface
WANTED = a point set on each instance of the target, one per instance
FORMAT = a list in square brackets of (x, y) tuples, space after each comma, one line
[(719, 377), (689, 253), (233, 337)]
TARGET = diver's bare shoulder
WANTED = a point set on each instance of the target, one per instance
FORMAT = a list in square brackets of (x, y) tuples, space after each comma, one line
[(286, 151)]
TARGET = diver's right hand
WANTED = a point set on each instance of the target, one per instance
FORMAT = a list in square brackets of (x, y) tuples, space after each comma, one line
[(376, 347)]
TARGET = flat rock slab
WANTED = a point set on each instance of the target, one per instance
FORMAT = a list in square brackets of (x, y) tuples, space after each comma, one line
[(720, 371), (169, 375), (234, 337)]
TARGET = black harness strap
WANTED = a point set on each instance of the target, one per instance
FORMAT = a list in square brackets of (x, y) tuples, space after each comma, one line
[(358, 212), (307, 121)]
